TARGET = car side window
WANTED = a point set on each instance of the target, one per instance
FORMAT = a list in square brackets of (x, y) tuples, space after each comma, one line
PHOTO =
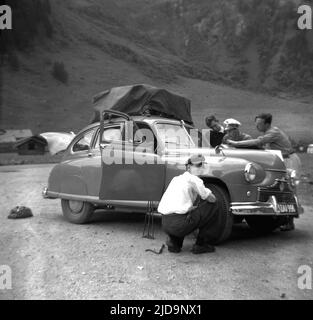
[(84, 143), (144, 134), (110, 134)]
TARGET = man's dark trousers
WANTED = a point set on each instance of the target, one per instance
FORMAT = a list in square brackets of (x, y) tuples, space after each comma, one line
[(204, 217)]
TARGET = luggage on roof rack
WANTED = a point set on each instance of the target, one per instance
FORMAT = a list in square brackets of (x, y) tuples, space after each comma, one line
[(143, 99)]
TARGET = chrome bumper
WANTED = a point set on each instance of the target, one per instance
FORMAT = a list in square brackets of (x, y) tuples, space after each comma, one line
[(45, 194), (270, 208)]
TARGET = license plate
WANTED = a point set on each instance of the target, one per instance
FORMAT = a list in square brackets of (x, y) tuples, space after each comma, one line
[(286, 208)]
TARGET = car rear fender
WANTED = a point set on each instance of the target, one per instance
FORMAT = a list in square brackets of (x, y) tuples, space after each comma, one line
[(67, 179)]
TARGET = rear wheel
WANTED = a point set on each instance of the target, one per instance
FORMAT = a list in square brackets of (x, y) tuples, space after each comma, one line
[(263, 225), (226, 217), (77, 211)]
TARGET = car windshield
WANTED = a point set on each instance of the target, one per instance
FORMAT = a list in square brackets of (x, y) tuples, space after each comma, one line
[(174, 136)]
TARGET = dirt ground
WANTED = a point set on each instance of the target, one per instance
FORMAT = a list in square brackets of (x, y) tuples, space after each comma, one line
[(106, 259)]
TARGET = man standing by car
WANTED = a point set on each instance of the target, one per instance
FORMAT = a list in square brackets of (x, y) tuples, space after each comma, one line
[(274, 139), (217, 131), (232, 131), (179, 215)]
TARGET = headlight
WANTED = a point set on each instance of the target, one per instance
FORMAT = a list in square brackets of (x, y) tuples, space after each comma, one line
[(292, 175), (250, 172)]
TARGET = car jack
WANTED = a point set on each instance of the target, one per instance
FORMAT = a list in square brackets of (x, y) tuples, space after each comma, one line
[(148, 230)]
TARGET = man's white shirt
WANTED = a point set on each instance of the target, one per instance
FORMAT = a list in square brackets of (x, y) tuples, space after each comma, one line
[(181, 193)]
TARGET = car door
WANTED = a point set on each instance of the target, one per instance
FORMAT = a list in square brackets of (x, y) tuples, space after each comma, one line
[(131, 171)]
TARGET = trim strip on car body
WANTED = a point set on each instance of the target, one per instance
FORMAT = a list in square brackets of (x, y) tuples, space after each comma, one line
[(121, 203), (276, 170), (237, 208)]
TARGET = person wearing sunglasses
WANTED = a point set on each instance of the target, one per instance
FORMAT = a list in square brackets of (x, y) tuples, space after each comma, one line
[(217, 131)]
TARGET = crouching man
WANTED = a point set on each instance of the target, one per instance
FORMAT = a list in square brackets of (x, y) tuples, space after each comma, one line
[(179, 215)]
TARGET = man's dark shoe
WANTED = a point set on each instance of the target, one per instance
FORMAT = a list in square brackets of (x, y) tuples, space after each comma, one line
[(197, 249), (173, 249), (174, 244)]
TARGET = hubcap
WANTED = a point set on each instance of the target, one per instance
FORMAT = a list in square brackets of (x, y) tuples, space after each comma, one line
[(76, 206)]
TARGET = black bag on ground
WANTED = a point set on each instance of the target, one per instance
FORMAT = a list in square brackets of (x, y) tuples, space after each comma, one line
[(20, 212)]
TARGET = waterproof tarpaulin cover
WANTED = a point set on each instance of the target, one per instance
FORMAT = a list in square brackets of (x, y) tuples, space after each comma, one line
[(141, 98)]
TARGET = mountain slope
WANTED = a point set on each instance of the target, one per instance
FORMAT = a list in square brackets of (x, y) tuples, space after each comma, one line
[(104, 43), (253, 42)]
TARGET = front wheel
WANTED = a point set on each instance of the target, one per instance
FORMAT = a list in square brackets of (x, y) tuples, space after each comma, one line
[(263, 225), (77, 211), (226, 218)]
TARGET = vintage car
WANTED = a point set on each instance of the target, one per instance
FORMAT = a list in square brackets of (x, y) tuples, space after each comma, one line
[(139, 140)]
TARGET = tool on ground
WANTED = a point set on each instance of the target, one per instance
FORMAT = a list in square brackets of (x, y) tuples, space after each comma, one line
[(157, 252), (148, 230)]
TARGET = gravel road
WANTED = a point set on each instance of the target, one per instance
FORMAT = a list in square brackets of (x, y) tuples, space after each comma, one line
[(106, 259)]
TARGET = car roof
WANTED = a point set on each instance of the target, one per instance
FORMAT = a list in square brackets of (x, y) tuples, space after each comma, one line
[(148, 119)]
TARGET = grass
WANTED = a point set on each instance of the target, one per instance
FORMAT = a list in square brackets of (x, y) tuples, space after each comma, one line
[(305, 189), (33, 99), (293, 117)]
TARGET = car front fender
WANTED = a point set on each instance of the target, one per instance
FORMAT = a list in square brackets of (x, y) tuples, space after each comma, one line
[(229, 173)]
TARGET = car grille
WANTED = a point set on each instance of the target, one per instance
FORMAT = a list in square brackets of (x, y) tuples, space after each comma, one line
[(280, 189), (281, 197)]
